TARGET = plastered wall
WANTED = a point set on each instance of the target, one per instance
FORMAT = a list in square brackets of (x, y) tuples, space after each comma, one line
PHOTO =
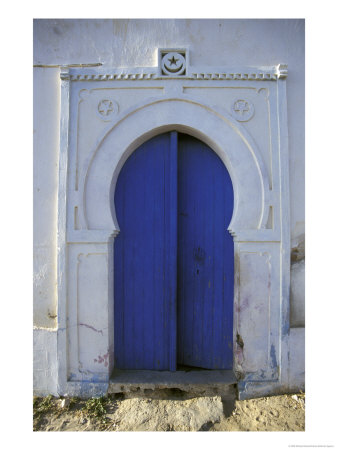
[(132, 43), (46, 148)]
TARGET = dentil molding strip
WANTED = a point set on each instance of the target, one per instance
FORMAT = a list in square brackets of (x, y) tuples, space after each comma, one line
[(194, 73)]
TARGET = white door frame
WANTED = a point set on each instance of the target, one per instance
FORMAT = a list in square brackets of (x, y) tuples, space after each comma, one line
[(105, 116)]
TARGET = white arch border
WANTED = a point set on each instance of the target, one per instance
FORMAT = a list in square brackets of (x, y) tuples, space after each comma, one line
[(215, 127)]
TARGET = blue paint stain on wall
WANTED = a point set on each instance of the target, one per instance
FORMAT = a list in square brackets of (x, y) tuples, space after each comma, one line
[(273, 356), (285, 328)]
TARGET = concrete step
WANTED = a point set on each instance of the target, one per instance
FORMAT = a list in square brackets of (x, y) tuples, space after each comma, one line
[(199, 382)]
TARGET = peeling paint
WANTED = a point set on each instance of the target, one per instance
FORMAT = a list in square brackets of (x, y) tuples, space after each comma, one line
[(273, 356), (239, 340), (51, 315), (285, 328), (102, 359), (298, 250), (242, 305)]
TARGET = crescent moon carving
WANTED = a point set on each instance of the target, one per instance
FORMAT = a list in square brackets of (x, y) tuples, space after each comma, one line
[(173, 63), (173, 70)]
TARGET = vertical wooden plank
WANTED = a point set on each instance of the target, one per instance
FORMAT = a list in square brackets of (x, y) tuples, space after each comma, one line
[(171, 219), (205, 257), (145, 258)]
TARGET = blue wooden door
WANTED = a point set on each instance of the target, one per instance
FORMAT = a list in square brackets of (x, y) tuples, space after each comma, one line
[(205, 258), (174, 258), (145, 257)]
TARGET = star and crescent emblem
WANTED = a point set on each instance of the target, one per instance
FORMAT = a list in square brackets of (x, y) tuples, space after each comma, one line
[(173, 60), (173, 63)]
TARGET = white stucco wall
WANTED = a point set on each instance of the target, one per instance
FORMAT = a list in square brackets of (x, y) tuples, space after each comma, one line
[(45, 184), (134, 43)]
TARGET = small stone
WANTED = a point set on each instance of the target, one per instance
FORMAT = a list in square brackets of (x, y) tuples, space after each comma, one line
[(65, 403), (295, 397)]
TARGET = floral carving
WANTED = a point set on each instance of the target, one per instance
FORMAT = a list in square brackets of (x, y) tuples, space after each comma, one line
[(242, 110), (106, 109)]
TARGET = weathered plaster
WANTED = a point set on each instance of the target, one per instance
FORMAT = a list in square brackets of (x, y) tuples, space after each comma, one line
[(217, 43), (297, 288), (45, 368), (46, 145), (296, 380), (97, 136), (297, 294), (234, 42)]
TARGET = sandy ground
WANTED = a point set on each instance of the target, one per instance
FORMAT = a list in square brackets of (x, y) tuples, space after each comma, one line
[(278, 413), (176, 413)]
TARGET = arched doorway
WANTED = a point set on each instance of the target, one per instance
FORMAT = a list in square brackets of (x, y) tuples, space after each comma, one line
[(173, 258)]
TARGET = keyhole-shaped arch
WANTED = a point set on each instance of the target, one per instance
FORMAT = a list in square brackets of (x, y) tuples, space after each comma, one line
[(218, 130), (173, 258)]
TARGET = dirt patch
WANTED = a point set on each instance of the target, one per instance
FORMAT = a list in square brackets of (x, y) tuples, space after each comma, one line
[(140, 413), (278, 413)]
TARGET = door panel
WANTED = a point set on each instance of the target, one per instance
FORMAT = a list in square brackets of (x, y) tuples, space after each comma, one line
[(174, 258), (205, 257), (145, 257)]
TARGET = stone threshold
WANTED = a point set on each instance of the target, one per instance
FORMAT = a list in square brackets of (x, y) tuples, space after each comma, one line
[(207, 382)]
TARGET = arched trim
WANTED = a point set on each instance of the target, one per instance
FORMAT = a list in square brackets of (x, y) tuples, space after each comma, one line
[(216, 128)]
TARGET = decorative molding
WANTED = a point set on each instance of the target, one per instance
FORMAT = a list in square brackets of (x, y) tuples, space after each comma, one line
[(84, 94), (140, 118), (264, 91), (172, 62), (106, 109), (153, 114), (64, 73), (67, 65), (112, 76), (242, 110), (282, 70), (255, 76), (91, 236), (157, 73)]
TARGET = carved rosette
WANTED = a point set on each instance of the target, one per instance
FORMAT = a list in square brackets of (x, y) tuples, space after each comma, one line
[(242, 110), (106, 109)]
